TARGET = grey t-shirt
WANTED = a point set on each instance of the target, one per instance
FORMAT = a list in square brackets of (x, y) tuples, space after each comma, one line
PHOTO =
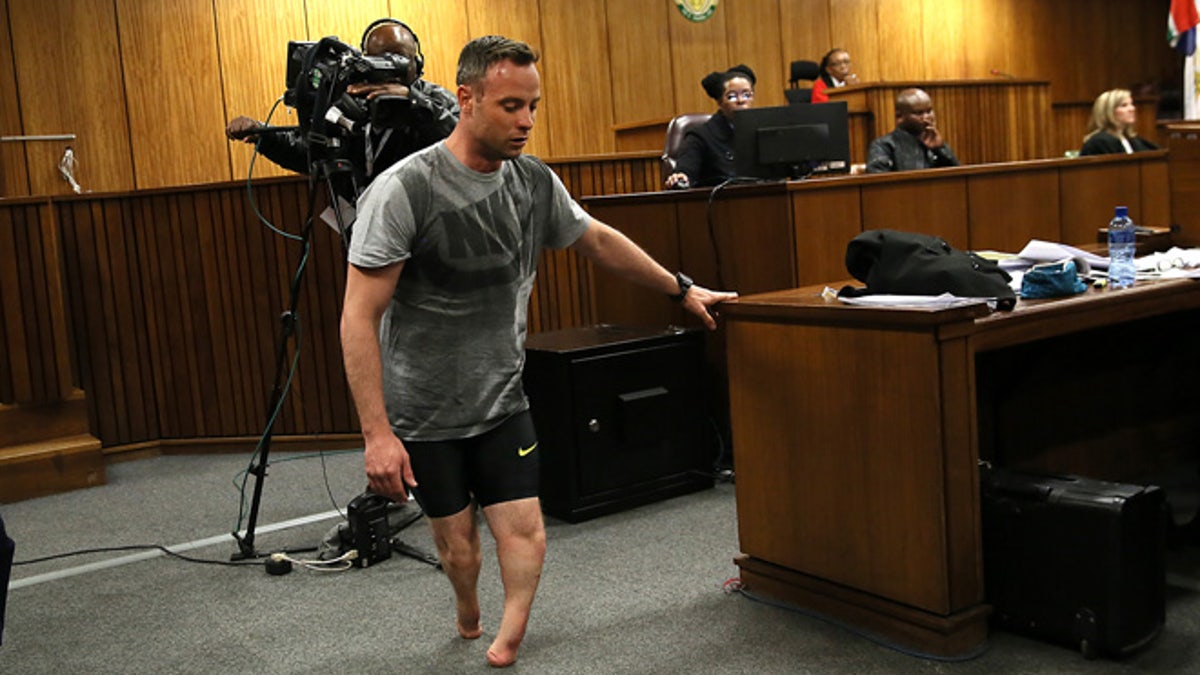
[(453, 338)]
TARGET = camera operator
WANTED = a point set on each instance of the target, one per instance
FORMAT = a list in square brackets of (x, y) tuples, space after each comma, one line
[(429, 114)]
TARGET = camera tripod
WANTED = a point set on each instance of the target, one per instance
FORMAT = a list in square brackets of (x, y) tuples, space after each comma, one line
[(327, 172)]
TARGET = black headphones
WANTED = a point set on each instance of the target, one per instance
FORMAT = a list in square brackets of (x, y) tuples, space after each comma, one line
[(418, 60)]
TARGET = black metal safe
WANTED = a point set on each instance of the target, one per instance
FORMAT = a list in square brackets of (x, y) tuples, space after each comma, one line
[(621, 415)]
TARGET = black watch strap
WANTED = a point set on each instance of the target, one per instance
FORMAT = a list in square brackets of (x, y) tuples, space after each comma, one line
[(685, 283)]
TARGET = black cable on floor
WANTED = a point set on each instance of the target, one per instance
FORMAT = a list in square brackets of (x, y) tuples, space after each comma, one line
[(137, 547)]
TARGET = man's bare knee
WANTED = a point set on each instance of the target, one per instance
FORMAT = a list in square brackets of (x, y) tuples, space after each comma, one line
[(457, 539)]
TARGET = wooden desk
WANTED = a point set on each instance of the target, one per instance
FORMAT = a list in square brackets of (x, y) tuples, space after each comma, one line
[(782, 235), (995, 120), (858, 431)]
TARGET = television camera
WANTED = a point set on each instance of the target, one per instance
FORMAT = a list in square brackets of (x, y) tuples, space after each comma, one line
[(332, 120)]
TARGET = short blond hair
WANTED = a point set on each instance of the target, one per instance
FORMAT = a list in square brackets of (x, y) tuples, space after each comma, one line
[(1104, 114)]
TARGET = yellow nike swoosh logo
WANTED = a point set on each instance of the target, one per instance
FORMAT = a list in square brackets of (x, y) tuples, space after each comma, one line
[(521, 452)]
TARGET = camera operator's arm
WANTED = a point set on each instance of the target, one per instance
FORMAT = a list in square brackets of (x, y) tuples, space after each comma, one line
[(285, 148), (436, 110)]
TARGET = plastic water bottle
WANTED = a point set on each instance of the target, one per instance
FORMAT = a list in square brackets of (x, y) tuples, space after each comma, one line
[(1121, 244)]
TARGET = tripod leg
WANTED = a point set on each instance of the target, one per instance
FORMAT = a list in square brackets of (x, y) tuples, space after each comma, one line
[(290, 321)]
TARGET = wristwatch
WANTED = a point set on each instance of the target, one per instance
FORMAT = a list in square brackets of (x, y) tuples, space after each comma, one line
[(685, 283)]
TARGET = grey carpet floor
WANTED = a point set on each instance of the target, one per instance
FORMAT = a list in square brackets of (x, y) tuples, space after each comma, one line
[(635, 592)]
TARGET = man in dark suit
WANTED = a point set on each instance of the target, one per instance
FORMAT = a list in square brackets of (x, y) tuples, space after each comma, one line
[(916, 142)]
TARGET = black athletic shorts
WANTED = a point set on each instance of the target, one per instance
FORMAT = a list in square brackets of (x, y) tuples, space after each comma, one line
[(496, 466)]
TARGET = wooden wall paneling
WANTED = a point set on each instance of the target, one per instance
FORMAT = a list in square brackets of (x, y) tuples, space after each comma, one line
[(588, 176), (346, 20), (89, 308), (333, 285), (697, 49), (64, 349), (306, 387), (1156, 194), (172, 82), (905, 53), (805, 33), (327, 283), (176, 377), (951, 105), (754, 36), (854, 26), (561, 296), (282, 255), (655, 228), (1006, 210), (73, 44), (642, 138), (861, 127), (14, 175), (826, 220), (883, 101), (943, 44), (181, 312), (1141, 60), (1031, 41), (196, 318), (639, 48), (519, 20), (129, 331), (150, 215), (32, 363), (234, 228), (16, 379), (1089, 194), (223, 308), (252, 39), (1183, 140), (287, 254), (1036, 100), (1070, 121), (937, 207), (73, 281), (1162, 62), (575, 38), (442, 27), (258, 316), (102, 326), (217, 414), (989, 28), (1061, 50), (751, 249)]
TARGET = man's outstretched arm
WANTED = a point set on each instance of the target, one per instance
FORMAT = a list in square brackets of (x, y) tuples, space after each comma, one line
[(617, 253)]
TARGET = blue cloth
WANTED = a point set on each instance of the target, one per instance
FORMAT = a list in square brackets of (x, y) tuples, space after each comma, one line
[(1052, 280)]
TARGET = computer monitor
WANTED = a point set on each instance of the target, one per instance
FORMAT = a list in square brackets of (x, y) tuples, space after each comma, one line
[(791, 141)]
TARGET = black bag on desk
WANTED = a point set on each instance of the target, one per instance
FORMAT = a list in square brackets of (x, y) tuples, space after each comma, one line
[(907, 263), (1073, 560)]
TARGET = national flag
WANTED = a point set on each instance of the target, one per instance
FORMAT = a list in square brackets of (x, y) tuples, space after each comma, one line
[(1181, 25)]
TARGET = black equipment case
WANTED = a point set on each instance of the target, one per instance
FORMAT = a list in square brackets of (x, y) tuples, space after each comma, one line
[(1075, 560)]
